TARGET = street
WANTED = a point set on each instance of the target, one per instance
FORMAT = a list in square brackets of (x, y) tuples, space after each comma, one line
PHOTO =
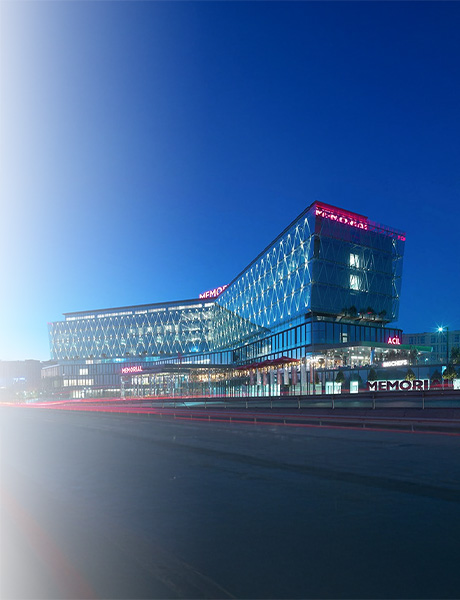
[(120, 506)]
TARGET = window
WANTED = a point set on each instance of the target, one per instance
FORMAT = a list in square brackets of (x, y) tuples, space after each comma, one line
[(354, 261), (354, 281)]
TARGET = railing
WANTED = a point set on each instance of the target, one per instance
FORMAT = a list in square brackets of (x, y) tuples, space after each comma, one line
[(442, 397), (373, 412)]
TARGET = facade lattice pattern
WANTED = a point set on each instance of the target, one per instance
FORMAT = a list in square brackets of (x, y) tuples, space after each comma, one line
[(326, 262), (152, 330)]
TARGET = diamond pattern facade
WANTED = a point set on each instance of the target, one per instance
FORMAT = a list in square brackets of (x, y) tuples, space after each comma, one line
[(274, 288), (328, 262), (141, 331)]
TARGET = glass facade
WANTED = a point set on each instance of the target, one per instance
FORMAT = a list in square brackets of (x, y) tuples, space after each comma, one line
[(331, 279), (138, 331), (327, 262)]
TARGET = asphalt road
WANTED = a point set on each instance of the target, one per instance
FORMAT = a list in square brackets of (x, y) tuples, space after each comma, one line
[(118, 506)]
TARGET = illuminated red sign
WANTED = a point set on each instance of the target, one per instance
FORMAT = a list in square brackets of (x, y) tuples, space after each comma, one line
[(396, 341), (136, 369), (345, 219), (213, 293)]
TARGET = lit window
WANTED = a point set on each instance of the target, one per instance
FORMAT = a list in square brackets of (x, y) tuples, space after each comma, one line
[(354, 261), (354, 282)]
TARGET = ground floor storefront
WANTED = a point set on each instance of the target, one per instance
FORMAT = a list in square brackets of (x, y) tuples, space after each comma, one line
[(315, 374), (326, 369)]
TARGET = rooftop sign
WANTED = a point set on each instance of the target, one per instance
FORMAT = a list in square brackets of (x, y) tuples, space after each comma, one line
[(345, 217), (213, 293)]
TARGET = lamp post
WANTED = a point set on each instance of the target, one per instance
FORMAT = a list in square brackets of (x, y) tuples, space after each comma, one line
[(441, 330)]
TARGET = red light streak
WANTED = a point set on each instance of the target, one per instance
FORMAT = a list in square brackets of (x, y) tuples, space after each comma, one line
[(251, 418)]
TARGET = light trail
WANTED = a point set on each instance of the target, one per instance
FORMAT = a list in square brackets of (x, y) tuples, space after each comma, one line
[(426, 426)]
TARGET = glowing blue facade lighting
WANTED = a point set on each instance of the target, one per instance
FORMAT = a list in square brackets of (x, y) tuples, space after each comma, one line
[(328, 261)]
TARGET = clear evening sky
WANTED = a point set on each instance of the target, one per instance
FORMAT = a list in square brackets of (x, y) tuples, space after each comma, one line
[(150, 150)]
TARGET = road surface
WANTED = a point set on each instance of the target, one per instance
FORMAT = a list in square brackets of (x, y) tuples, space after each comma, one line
[(116, 506)]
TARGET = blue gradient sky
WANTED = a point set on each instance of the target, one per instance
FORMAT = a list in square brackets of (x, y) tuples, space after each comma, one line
[(150, 150)]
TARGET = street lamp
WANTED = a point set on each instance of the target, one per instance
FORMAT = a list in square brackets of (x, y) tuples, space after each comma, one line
[(441, 329)]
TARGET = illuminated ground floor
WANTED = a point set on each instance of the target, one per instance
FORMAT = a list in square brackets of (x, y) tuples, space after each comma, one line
[(298, 370), (329, 370)]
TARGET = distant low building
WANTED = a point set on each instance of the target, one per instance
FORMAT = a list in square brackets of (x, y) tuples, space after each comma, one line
[(441, 342), (19, 377)]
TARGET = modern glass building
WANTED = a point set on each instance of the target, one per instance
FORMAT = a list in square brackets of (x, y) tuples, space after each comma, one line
[(328, 262), (146, 331), (323, 293)]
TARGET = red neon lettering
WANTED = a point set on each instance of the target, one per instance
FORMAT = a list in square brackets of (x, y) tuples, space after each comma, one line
[(327, 214), (213, 293), (394, 340), (137, 369), (354, 220)]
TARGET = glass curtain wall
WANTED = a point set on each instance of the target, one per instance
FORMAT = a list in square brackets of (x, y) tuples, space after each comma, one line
[(328, 262), (153, 330), (274, 288)]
